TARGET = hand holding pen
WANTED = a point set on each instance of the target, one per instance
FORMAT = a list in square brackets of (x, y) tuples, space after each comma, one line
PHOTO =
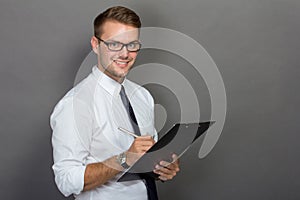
[(128, 132), (131, 133), (139, 146), (165, 170)]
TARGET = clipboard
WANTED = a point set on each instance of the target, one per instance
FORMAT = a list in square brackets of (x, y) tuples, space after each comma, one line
[(176, 141)]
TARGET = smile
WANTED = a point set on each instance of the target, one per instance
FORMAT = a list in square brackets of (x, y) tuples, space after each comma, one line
[(121, 63)]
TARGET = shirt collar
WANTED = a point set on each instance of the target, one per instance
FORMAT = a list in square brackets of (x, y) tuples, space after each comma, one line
[(110, 85)]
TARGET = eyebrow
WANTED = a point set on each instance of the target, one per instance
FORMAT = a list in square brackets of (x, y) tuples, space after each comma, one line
[(121, 42)]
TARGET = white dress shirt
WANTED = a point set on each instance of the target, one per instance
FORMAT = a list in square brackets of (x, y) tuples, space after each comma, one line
[(85, 130)]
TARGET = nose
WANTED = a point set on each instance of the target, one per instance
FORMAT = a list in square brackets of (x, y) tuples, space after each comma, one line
[(123, 53)]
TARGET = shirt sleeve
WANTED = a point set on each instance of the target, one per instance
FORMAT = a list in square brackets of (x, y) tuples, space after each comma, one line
[(70, 149)]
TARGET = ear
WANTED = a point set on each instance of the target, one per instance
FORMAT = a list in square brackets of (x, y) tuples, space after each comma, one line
[(95, 45)]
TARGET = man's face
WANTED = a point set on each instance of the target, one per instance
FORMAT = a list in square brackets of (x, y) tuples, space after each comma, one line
[(116, 64)]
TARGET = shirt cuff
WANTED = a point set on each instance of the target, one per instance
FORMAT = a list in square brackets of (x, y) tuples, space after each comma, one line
[(79, 179)]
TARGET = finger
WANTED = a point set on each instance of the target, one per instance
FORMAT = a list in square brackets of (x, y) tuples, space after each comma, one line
[(144, 137), (164, 163), (175, 158), (171, 166), (146, 144), (165, 178), (142, 147), (138, 149), (165, 174), (164, 170), (162, 178)]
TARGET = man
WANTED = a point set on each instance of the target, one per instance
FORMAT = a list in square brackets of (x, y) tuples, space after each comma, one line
[(90, 152)]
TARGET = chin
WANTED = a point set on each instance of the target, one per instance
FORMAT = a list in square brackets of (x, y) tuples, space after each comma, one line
[(122, 75), (122, 72), (118, 74)]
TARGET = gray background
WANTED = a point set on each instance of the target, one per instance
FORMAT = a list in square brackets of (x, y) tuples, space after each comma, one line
[(254, 43)]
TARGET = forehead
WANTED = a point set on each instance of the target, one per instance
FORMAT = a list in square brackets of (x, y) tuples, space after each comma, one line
[(113, 30)]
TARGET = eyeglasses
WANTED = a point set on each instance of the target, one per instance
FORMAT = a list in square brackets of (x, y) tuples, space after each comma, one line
[(118, 46)]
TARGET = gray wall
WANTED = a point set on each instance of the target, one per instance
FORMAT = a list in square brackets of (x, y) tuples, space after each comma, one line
[(255, 44)]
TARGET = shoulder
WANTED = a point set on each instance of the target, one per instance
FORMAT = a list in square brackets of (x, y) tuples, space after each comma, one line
[(138, 90), (79, 97)]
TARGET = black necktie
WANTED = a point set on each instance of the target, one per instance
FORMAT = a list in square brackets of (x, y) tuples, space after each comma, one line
[(149, 181), (130, 112)]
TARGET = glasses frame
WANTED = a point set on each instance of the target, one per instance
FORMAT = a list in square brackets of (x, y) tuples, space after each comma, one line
[(107, 44)]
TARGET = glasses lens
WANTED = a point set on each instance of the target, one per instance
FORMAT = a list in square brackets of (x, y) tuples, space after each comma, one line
[(115, 46), (134, 46)]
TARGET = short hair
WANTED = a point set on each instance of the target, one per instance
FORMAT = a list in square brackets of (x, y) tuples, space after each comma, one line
[(117, 13)]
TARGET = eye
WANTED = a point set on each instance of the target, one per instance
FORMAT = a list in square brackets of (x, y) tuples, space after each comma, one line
[(133, 45), (114, 44)]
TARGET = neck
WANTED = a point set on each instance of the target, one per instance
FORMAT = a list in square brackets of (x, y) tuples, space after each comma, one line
[(115, 78)]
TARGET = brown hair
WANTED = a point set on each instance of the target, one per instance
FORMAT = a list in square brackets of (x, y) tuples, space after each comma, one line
[(118, 13)]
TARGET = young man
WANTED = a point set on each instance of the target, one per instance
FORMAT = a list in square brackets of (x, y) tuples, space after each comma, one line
[(90, 152)]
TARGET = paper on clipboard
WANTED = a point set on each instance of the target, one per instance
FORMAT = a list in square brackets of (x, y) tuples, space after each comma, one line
[(176, 141)]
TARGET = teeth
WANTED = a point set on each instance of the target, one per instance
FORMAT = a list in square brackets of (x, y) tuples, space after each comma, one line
[(122, 63)]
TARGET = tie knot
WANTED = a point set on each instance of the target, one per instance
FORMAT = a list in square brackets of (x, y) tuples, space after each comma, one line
[(122, 91), (124, 96)]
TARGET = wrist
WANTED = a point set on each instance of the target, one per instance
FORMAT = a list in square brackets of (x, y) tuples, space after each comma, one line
[(121, 159)]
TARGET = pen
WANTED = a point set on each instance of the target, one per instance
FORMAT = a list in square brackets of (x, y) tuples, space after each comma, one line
[(128, 132)]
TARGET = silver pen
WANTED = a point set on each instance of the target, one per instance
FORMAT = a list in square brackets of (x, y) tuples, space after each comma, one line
[(128, 132)]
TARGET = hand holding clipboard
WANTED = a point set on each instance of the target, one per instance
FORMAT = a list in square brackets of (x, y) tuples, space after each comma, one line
[(176, 141)]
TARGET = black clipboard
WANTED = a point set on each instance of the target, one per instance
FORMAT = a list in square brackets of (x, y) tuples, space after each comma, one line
[(177, 140)]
